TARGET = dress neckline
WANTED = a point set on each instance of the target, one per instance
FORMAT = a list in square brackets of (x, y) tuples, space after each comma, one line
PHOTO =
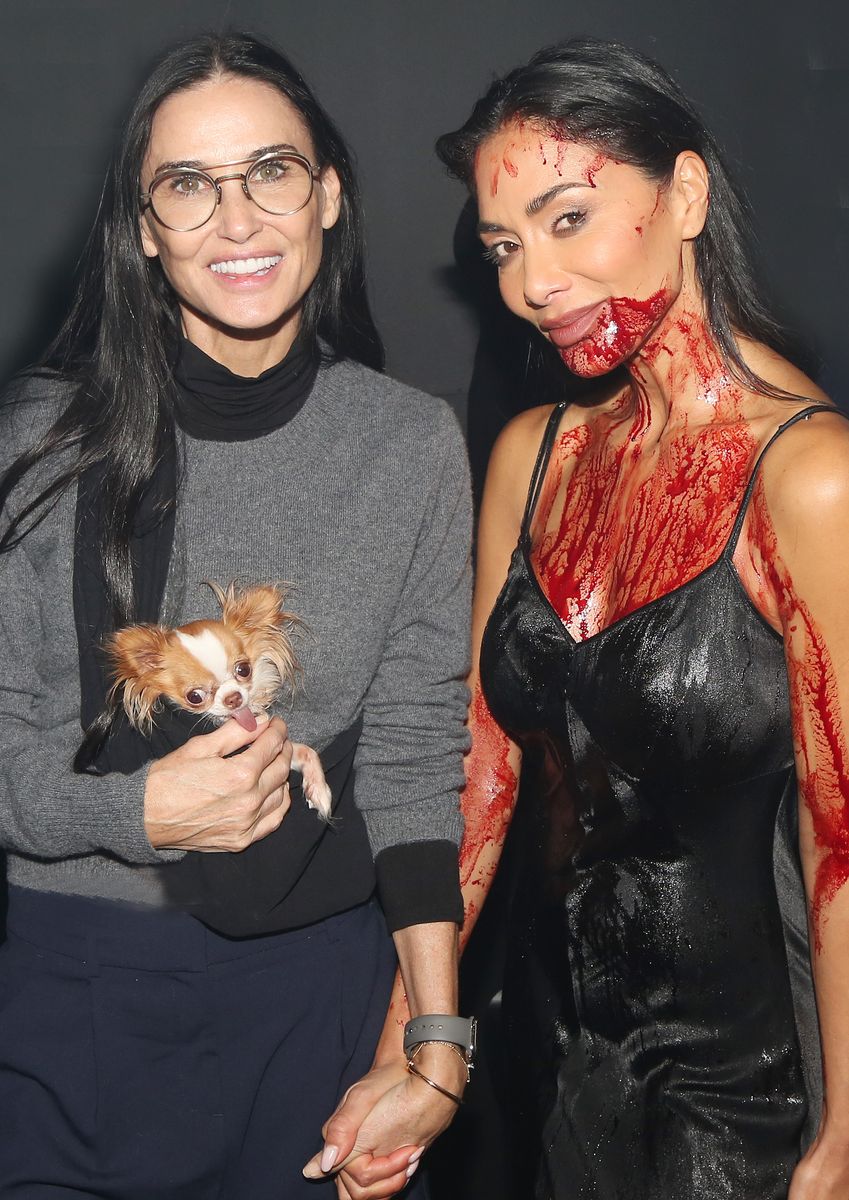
[(672, 594), (725, 555)]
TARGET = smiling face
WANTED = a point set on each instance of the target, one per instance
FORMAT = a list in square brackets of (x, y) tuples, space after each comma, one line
[(590, 250), (241, 278)]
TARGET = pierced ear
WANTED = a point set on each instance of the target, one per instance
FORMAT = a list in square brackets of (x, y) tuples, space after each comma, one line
[(692, 183), (331, 191)]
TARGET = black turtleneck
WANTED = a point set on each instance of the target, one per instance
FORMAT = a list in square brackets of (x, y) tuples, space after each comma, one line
[(216, 405)]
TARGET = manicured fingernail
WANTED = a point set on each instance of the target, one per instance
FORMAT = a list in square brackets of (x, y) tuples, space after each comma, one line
[(411, 1170), (416, 1155), (328, 1158)]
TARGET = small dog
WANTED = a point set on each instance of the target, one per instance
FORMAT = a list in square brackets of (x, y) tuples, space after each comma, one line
[(234, 667)]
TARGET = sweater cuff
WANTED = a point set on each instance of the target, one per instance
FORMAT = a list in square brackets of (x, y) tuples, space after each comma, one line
[(419, 882)]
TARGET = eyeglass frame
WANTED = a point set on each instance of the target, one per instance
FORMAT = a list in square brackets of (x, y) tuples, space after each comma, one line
[(146, 198)]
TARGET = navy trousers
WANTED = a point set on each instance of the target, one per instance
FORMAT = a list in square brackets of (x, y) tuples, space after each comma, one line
[(143, 1057)]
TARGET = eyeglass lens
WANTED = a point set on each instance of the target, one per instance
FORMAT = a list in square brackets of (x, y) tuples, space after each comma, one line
[(185, 199)]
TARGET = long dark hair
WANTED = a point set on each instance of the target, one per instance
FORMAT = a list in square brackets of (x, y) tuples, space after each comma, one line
[(115, 342), (616, 100)]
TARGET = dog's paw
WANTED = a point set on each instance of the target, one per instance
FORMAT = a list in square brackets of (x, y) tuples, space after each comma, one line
[(316, 789)]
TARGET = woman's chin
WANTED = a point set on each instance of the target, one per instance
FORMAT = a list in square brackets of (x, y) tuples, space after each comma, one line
[(589, 362), (242, 322)]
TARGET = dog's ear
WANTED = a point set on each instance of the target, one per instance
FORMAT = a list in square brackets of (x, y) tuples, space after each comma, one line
[(256, 609), (134, 655), (137, 651), (258, 616)]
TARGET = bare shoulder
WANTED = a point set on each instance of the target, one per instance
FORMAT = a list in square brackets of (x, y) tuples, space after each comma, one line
[(508, 476), (518, 444), (806, 474), (514, 454), (523, 434)]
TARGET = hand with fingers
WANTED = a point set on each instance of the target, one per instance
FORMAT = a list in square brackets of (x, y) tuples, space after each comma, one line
[(205, 796), (384, 1123)]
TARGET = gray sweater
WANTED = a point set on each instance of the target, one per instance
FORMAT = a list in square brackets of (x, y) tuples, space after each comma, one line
[(361, 503)]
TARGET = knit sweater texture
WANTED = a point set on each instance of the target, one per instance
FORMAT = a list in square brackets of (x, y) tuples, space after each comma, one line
[(361, 504)]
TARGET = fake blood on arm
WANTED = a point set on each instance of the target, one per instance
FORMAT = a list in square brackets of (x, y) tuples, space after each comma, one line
[(490, 791), (818, 723)]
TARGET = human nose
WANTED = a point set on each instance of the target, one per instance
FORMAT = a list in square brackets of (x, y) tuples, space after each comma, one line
[(238, 217), (544, 277)]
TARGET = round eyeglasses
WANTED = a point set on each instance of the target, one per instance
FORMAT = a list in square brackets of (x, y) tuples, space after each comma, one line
[(184, 198)]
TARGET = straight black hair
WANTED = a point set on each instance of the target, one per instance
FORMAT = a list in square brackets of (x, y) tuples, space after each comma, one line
[(616, 100), (117, 341)]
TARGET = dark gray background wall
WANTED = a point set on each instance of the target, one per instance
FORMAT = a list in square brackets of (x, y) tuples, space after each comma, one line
[(771, 77)]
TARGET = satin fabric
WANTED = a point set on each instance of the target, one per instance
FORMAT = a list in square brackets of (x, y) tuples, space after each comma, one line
[(649, 995)]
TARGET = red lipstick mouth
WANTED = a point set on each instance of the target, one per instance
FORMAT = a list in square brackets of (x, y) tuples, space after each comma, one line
[(565, 331)]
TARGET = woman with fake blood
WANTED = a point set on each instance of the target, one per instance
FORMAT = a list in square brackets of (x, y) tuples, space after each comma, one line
[(661, 621), (197, 968)]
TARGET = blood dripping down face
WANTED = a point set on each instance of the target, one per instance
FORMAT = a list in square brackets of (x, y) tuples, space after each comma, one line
[(587, 248)]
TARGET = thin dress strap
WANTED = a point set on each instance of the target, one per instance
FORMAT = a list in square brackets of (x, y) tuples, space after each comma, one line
[(731, 545), (540, 466)]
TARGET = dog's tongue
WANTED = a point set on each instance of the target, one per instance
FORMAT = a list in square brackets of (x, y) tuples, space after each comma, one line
[(245, 718)]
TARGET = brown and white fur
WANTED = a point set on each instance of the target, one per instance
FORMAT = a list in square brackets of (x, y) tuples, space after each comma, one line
[(234, 667)]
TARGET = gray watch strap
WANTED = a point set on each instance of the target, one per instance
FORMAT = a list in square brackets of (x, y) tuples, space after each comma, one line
[(433, 1027)]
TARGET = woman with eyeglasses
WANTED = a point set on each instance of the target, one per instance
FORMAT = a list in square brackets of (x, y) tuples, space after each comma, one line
[(660, 628), (196, 968)]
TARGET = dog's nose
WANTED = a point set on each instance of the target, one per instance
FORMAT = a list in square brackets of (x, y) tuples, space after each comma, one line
[(233, 700)]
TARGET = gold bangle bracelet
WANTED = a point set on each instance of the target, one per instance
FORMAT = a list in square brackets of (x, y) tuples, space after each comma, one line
[(449, 1046), (414, 1070)]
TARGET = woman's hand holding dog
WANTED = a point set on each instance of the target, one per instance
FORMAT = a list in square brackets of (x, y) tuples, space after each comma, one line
[(200, 798)]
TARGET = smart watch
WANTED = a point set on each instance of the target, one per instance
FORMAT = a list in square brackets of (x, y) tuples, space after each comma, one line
[(434, 1027)]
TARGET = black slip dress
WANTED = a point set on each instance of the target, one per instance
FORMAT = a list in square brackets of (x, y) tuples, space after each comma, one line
[(657, 996)]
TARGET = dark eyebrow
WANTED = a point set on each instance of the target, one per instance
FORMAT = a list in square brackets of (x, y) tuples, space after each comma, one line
[(537, 204), (197, 165)]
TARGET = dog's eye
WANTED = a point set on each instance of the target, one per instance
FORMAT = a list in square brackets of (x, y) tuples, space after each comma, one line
[(195, 697), (242, 670)]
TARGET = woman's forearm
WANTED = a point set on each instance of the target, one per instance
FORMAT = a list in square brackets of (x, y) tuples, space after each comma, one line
[(492, 780), (830, 964), (427, 955)]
